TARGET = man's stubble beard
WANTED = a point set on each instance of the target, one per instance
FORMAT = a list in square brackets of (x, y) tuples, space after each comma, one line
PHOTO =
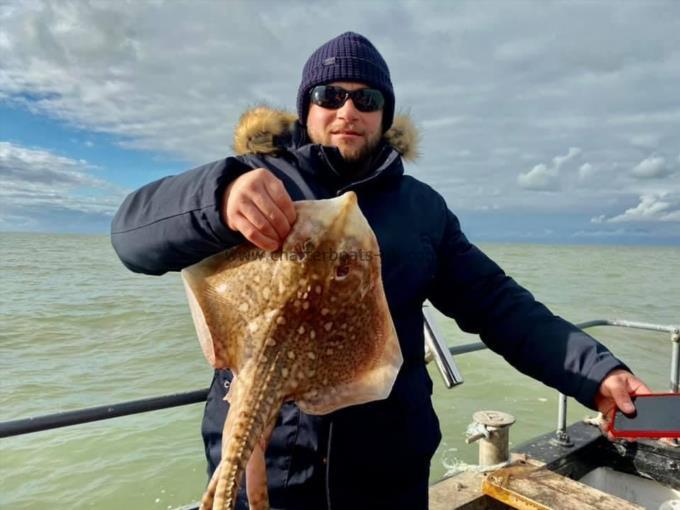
[(356, 158), (359, 156)]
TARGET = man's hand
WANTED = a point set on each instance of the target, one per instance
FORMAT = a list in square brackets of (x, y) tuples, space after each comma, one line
[(257, 205), (615, 391)]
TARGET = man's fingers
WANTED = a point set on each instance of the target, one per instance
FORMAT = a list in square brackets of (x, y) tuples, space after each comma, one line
[(270, 209), (252, 234), (636, 387), (639, 388), (257, 205), (281, 198), (622, 399), (256, 217), (615, 391), (618, 386)]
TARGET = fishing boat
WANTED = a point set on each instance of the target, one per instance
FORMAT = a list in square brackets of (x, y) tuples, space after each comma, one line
[(574, 466)]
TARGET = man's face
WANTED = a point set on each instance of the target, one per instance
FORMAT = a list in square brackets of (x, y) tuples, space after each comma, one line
[(356, 134)]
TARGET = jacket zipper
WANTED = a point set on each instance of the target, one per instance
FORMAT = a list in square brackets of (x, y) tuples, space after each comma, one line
[(390, 159), (328, 466)]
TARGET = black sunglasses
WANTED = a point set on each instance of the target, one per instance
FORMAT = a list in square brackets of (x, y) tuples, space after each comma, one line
[(332, 97)]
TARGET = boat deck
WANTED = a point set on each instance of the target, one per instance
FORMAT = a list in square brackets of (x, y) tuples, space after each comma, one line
[(546, 475)]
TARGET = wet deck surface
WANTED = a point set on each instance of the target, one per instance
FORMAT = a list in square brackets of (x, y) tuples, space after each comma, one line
[(462, 492), (525, 484)]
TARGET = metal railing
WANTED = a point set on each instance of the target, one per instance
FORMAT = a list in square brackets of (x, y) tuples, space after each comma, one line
[(561, 436), (51, 421), (67, 418)]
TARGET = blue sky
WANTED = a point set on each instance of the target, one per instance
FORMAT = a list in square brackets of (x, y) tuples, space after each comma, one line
[(540, 121)]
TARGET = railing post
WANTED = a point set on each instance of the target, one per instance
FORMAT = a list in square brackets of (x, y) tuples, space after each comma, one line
[(675, 360), (561, 437)]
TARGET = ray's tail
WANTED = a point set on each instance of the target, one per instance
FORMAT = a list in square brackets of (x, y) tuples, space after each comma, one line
[(209, 495), (255, 399)]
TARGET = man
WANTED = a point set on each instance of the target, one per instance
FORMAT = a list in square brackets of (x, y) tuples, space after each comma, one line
[(375, 455)]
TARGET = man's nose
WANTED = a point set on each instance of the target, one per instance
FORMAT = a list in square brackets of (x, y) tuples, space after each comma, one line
[(348, 111)]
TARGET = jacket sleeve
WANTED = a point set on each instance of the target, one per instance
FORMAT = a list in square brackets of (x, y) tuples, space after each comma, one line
[(174, 222), (475, 291)]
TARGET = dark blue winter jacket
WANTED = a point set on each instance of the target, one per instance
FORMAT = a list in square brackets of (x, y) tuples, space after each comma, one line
[(374, 455)]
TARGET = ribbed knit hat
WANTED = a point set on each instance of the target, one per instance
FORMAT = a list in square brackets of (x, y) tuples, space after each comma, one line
[(348, 57)]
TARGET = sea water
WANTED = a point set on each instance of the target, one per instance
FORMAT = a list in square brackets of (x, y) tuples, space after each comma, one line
[(77, 329)]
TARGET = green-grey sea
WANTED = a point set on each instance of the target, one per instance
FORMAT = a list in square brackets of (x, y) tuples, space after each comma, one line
[(77, 329)]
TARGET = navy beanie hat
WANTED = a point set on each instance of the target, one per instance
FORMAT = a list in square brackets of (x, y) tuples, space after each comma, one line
[(348, 57)]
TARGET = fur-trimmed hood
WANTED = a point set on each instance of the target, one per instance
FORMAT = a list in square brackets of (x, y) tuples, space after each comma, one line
[(261, 130)]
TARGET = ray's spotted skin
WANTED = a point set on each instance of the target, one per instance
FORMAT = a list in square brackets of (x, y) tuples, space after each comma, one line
[(309, 323)]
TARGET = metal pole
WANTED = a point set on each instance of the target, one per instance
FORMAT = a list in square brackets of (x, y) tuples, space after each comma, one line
[(51, 421), (465, 348), (626, 324), (437, 346), (675, 360), (561, 436), (562, 413)]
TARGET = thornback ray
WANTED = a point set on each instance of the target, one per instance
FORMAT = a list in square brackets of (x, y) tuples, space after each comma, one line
[(309, 323)]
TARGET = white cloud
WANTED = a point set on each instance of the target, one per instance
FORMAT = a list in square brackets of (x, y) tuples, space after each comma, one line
[(520, 50), (493, 98), (506, 151), (659, 207), (540, 177), (546, 178), (441, 122), (620, 232), (558, 161), (586, 171), (21, 165), (34, 182), (653, 166), (116, 68), (460, 153), (646, 140)]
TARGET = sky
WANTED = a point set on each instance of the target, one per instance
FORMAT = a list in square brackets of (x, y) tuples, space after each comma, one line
[(540, 121)]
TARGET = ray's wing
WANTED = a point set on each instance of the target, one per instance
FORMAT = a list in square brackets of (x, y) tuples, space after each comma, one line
[(357, 349), (229, 296), (360, 382)]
